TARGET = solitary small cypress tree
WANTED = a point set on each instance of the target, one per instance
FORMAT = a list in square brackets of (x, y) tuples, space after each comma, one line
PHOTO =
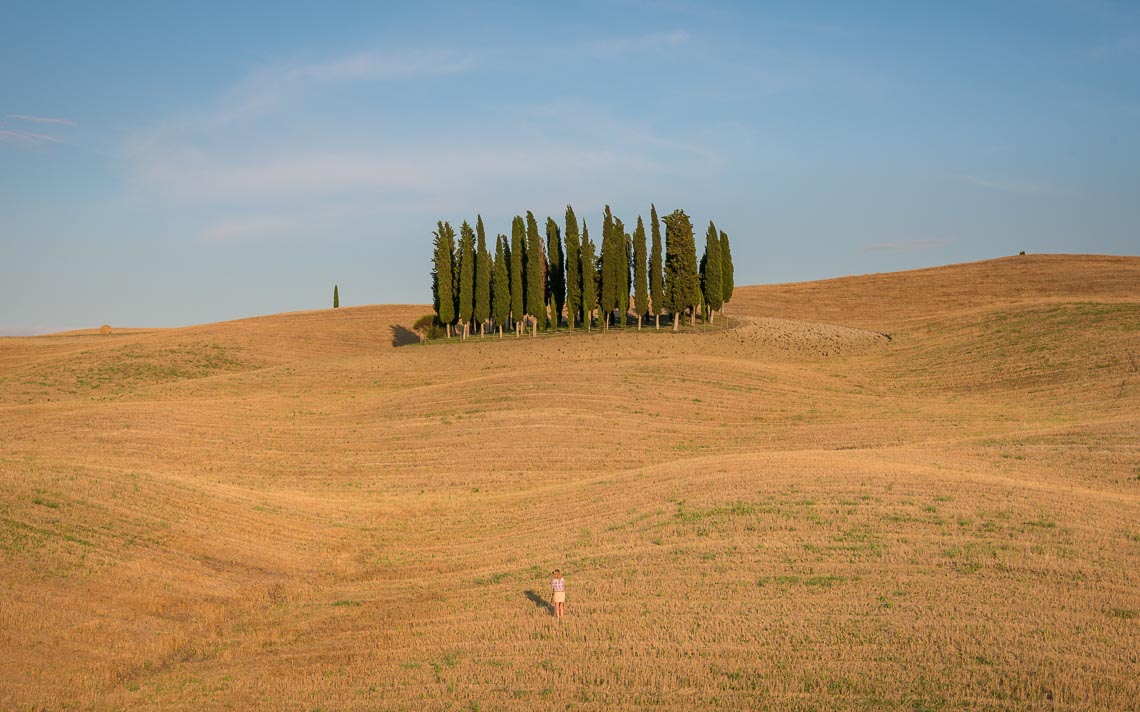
[(682, 279), (640, 281), (556, 272), (442, 276), (726, 270), (711, 270), (500, 285), (466, 276), (336, 296), (656, 277), (518, 283), (482, 309), (573, 269), (589, 263), (535, 274)]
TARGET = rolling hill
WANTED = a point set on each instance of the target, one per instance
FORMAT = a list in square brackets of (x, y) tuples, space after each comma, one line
[(914, 490)]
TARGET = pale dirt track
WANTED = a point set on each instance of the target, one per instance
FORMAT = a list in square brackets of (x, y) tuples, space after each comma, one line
[(294, 512)]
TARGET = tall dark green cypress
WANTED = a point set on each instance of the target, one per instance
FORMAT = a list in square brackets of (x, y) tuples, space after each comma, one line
[(622, 250), (556, 271), (608, 298), (535, 274), (466, 275), (682, 279), (711, 270), (656, 276), (726, 265), (589, 278), (336, 296), (500, 285), (640, 276), (442, 275), (482, 308), (518, 281), (573, 269)]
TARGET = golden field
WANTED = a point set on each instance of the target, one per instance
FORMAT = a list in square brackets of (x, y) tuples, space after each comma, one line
[(306, 511)]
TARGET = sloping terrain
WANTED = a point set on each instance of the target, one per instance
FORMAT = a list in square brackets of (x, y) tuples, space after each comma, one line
[(291, 512)]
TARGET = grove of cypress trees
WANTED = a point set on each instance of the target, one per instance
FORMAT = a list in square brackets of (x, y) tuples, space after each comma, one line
[(518, 254), (482, 308), (442, 275), (656, 288), (589, 278), (726, 270), (573, 269), (711, 271), (336, 296), (682, 280), (500, 285), (535, 274), (466, 275), (640, 282), (556, 272)]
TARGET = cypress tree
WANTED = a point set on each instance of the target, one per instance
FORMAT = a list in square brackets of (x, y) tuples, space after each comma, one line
[(711, 271), (622, 250), (442, 279), (589, 278), (640, 278), (482, 308), (336, 296), (518, 255), (682, 279), (608, 301), (466, 276), (573, 269), (556, 272), (535, 274), (726, 270), (656, 288), (500, 285)]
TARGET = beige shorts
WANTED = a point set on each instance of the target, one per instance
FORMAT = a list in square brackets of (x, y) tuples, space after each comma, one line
[(560, 597)]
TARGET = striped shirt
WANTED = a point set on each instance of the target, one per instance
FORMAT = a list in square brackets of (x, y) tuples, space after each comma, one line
[(558, 584)]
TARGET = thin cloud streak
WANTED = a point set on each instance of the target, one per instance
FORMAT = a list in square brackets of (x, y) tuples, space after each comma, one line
[(906, 246), (42, 119), (1016, 187), (267, 90), (637, 44), (25, 138)]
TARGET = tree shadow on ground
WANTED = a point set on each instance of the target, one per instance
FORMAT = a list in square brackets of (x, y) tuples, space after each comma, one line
[(402, 336), (539, 601)]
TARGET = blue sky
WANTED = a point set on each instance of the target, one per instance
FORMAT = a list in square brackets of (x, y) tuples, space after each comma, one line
[(165, 164)]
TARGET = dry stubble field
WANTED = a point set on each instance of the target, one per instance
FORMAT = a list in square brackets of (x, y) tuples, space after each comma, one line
[(291, 512)]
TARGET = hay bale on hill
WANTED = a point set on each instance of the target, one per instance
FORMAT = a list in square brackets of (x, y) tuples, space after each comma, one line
[(105, 330)]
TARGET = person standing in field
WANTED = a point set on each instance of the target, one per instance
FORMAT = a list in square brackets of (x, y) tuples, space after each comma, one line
[(558, 592)]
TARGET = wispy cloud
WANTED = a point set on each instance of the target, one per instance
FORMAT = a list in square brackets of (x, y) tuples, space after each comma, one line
[(1017, 187), (269, 89), (25, 138), (906, 246), (637, 44), (42, 119)]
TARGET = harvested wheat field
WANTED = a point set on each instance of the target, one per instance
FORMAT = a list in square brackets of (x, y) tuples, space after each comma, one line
[(917, 490)]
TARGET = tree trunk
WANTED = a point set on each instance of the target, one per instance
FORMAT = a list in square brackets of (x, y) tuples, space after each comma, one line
[(676, 320), (693, 317), (639, 322), (534, 327), (657, 319)]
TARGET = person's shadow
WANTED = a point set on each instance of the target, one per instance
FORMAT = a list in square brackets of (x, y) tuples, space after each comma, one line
[(539, 601)]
